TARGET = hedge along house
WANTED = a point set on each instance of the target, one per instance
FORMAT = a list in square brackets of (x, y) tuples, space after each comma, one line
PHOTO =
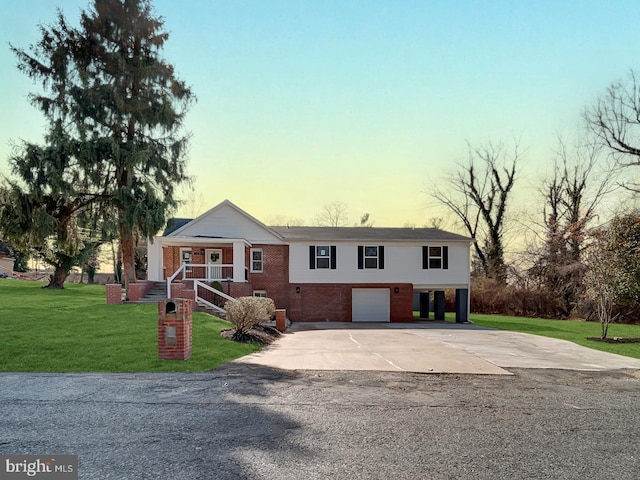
[(359, 274)]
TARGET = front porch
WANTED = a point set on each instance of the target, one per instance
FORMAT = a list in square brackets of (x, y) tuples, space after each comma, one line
[(197, 258), (189, 266), (209, 273)]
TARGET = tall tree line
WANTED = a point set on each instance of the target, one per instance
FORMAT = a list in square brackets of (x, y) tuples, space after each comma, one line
[(115, 110), (574, 232), (478, 195)]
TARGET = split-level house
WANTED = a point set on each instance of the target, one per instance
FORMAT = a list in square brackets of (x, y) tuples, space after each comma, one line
[(359, 274)]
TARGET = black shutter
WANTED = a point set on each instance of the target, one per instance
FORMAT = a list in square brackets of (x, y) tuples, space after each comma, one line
[(312, 257), (425, 258), (381, 257), (360, 257), (445, 257), (333, 257)]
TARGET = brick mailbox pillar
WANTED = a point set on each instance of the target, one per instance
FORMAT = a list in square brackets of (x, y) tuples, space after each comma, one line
[(174, 328)]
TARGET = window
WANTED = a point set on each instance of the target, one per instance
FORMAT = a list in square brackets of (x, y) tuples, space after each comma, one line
[(435, 257), (371, 256), (322, 257), (260, 293), (257, 260)]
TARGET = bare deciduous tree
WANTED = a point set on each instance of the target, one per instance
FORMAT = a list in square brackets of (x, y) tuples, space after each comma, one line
[(192, 203), (438, 223), (279, 220), (333, 214), (571, 197), (478, 194), (615, 121), (600, 282)]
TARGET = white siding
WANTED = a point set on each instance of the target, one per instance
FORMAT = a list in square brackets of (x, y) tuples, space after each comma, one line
[(227, 222), (402, 264)]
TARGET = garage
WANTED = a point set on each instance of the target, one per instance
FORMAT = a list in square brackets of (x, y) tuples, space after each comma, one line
[(370, 304)]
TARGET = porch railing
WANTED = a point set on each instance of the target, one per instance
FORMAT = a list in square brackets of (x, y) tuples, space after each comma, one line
[(209, 296), (222, 273)]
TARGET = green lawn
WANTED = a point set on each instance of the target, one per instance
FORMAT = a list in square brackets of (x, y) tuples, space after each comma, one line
[(74, 330)]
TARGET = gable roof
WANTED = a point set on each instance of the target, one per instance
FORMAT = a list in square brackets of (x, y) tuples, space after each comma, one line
[(368, 234), (174, 224), (202, 219), (221, 220)]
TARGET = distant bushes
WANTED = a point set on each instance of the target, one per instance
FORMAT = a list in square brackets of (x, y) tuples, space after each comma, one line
[(490, 297)]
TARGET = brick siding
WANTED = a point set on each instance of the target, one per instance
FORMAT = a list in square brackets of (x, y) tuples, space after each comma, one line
[(332, 302), (314, 302), (275, 275)]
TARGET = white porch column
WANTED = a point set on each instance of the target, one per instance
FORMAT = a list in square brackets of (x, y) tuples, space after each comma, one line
[(238, 261), (154, 260)]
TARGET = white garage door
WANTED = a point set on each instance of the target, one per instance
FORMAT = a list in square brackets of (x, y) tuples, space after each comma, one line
[(370, 304)]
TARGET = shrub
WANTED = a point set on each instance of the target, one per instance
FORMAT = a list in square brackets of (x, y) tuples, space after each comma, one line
[(215, 299), (247, 312)]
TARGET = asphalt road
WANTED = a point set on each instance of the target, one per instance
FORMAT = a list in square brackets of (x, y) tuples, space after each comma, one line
[(253, 422)]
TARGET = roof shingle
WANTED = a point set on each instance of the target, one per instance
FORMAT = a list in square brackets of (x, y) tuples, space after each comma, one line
[(368, 233)]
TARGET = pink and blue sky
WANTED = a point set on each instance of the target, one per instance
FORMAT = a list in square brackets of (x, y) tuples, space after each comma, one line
[(302, 103)]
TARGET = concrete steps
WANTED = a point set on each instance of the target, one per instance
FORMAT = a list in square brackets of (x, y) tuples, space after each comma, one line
[(157, 293)]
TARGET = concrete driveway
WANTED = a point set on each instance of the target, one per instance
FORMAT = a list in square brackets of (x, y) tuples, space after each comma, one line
[(426, 347)]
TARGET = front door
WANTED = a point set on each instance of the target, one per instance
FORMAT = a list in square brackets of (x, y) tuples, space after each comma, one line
[(213, 258), (186, 256)]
